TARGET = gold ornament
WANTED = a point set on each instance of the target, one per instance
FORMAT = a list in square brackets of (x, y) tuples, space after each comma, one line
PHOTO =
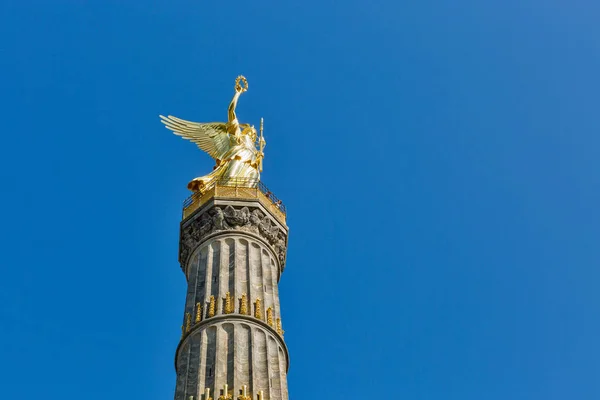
[(243, 305), (270, 316), (198, 312), (228, 304), (244, 395), (211, 307), (257, 309), (226, 395)]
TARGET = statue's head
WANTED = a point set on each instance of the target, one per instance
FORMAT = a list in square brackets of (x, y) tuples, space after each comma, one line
[(250, 131)]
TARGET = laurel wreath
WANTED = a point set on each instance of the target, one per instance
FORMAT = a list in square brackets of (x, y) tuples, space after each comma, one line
[(238, 84)]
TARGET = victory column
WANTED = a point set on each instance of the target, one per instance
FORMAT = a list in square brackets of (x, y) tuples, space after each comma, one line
[(232, 250)]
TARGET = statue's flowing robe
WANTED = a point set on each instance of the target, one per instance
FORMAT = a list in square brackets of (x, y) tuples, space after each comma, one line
[(239, 165)]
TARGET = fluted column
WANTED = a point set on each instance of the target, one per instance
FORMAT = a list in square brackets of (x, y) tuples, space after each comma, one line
[(232, 250)]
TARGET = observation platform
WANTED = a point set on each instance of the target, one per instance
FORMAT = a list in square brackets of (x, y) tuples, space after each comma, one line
[(236, 188)]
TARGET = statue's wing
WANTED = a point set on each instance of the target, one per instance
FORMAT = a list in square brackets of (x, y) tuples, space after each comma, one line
[(212, 137)]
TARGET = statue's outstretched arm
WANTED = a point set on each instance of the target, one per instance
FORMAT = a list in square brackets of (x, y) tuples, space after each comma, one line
[(231, 112), (241, 85)]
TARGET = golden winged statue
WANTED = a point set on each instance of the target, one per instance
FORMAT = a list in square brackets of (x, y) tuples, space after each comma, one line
[(237, 151)]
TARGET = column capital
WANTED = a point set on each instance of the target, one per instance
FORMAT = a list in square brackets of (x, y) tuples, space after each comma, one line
[(240, 216)]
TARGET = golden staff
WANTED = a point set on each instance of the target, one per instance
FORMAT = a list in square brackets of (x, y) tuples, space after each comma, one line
[(261, 144)]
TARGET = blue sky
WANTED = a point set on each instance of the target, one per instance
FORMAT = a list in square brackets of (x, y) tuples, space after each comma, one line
[(438, 159)]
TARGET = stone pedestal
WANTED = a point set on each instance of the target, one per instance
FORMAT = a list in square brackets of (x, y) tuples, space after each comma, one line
[(232, 251)]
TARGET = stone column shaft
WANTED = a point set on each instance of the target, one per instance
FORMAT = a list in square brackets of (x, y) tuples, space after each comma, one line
[(229, 251)]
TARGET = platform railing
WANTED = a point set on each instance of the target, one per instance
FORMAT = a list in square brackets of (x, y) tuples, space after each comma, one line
[(235, 187)]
